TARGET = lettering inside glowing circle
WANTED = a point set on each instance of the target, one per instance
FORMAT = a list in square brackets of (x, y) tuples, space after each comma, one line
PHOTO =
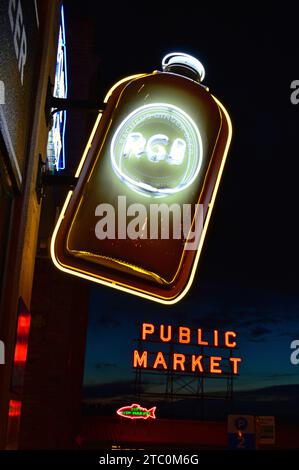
[(154, 148), (157, 150)]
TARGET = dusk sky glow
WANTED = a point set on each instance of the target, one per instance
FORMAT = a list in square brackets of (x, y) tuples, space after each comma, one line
[(247, 278)]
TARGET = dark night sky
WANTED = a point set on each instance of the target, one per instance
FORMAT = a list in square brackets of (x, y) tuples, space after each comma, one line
[(247, 278)]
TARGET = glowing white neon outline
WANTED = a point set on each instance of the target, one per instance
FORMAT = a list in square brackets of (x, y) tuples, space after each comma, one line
[(175, 156), (189, 60), (134, 139), (163, 140), (143, 186)]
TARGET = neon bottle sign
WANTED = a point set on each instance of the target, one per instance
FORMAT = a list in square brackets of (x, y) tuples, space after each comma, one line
[(162, 139)]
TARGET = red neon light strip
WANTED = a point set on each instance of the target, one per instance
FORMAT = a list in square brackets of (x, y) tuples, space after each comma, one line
[(14, 408), (23, 325), (20, 353)]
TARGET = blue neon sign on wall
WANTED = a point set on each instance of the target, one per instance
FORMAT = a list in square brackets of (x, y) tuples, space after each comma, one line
[(56, 145)]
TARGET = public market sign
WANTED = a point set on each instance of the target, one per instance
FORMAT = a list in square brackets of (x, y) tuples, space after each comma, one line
[(205, 352)]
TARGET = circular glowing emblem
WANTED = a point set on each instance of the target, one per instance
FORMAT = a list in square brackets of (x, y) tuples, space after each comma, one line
[(157, 150)]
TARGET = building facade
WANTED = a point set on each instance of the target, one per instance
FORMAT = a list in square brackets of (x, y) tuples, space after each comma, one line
[(29, 32)]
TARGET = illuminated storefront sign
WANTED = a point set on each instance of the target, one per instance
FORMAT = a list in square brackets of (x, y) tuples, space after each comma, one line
[(55, 148), (190, 361), (136, 412), (162, 140)]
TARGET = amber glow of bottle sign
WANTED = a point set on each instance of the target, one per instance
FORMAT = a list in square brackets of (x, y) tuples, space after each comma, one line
[(147, 182)]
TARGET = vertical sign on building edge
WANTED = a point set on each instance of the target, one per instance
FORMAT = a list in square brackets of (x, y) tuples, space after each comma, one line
[(19, 31)]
